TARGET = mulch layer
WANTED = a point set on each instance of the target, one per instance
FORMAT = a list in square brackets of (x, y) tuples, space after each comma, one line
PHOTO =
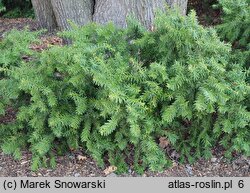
[(17, 23), (69, 165)]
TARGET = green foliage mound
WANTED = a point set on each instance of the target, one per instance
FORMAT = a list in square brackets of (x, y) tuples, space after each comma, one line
[(115, 92), (235, 27)]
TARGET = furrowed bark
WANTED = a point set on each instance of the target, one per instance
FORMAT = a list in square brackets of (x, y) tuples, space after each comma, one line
[(181, 4), (44, 14), (53, 13), (77, 11), (117, 11)]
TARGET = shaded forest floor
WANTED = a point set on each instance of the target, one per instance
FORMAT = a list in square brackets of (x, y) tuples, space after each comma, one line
[(17, 23), (70, 165)]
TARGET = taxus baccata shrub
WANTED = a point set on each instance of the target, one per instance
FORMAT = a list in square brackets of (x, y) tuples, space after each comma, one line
[(115, 92), (235, 28), (13, 49)]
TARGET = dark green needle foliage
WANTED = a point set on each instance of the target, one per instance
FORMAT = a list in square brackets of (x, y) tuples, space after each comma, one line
[(235, 28), (115, 92), (235, 25)]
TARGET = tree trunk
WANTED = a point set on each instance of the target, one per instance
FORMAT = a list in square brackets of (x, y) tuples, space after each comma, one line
[(52, 13), (118, 10), (77, 11), (181, 4), (44, 14)]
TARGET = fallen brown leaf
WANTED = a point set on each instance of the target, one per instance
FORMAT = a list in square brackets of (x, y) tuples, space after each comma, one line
[(81, 158), (163, 142), (109, 170)]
